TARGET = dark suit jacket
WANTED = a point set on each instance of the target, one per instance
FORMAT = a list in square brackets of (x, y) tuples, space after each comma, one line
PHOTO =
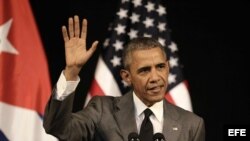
[(112, 119)]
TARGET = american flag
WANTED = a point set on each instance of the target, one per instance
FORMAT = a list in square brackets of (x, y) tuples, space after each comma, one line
[(136, 18)]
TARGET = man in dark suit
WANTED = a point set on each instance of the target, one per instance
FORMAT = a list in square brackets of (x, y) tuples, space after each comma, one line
[(108, 118)]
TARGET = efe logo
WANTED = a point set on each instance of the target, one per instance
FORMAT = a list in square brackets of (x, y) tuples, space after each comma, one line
[(237, 132)]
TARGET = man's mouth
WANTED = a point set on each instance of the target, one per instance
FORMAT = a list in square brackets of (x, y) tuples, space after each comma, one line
[(155, 89)]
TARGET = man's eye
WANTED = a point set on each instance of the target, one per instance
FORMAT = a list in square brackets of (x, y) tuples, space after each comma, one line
[(161, 66), (144, 70)]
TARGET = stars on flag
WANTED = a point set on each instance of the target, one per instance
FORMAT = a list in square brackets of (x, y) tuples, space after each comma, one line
[(173, 47), (137, 3), (161, 26), (122, 13), (162, 41), (106, 42), (150, 6), (161, 10), (134, 18), (148, 22), (120, 29), (173, 62), (133, 33), (137, 18), (5, 44), (116, 61), (118, 45), (171, 78)]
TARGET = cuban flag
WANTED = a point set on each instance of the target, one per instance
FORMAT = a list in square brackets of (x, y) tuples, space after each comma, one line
[(24, 77)]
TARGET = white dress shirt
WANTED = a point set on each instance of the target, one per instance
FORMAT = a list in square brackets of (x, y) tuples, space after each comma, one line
[(156, 118), (65, 88)]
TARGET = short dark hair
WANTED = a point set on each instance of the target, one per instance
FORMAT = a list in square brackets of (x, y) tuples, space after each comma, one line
[(140, 43)]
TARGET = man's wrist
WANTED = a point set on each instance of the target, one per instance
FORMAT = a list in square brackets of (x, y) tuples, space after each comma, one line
[(71, 73)]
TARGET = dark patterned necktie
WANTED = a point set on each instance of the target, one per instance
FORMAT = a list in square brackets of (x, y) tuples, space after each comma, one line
[(146, 132)]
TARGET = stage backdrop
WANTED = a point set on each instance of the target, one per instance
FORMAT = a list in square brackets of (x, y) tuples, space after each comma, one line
[(212, 44)]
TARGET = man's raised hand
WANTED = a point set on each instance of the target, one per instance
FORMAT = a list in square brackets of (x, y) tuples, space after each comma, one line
[(76, 52)]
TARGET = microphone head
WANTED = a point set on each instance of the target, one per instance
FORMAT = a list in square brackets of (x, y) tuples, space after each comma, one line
[(133, 136), (158, 137)]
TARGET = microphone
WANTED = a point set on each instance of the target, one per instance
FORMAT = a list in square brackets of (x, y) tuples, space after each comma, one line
[(158, 137), (133, 136)]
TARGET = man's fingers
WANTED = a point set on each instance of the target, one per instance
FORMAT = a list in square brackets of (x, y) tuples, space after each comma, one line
[(71, 28), (93, 48), (77, 26), (65, 34), (84, 29)]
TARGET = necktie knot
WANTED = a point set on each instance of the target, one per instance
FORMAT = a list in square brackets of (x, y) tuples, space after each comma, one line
[(147, 113)]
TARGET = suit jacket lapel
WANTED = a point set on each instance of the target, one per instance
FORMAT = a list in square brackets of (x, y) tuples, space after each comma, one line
[(171, 127), (125, 115)]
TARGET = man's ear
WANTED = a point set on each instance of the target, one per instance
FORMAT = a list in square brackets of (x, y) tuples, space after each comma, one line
[(168, 65), (125, 74)]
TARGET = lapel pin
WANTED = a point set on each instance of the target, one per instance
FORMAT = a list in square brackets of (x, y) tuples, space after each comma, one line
[(175, 128)]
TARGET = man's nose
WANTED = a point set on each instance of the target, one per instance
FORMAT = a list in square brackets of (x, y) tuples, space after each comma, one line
[(154, 76)]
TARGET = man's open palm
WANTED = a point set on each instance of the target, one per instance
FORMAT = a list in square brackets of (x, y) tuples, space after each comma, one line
[(76, 52)]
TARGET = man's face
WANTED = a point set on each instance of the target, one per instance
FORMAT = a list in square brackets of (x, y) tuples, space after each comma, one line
[(148, 73)]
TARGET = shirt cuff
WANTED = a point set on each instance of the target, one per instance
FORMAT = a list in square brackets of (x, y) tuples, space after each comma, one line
[(65, 88)]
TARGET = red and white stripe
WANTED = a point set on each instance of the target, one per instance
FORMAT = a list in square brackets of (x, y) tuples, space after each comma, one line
[(22, 124)]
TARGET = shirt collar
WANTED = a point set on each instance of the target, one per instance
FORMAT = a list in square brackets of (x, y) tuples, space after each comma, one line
[(157, 108)]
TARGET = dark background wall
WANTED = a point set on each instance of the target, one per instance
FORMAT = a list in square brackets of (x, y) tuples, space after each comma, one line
[(213, 41)]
